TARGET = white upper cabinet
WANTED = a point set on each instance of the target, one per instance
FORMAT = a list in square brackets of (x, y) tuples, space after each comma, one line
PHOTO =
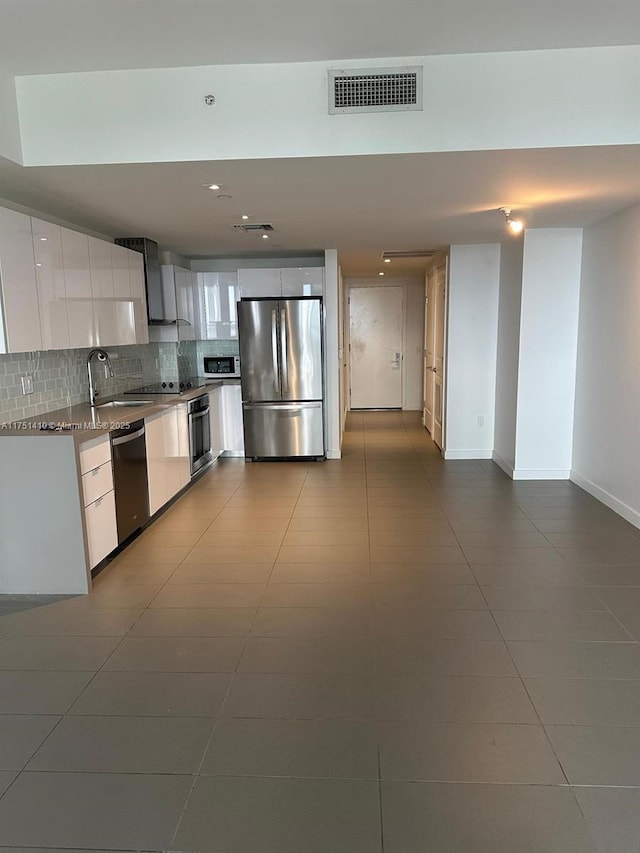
[(255, 283), (139, 296), (288, 281), (52, 295), (20, 331), (303, 281), (77, 277), (62, 289), (123, 302), (219, 293), (104, 310), (185, 304)]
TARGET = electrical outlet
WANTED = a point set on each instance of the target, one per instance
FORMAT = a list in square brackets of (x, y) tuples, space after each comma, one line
[(27, 384), (480, 421)]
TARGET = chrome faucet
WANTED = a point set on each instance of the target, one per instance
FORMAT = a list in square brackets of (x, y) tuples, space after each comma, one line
[(102, 356)]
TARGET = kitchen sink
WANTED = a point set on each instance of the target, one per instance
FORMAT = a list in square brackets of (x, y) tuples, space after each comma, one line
[(129, 404)]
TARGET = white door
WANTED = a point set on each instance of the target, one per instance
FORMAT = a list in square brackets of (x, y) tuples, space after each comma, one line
[(375, 347), (429, 353), (440, 299)]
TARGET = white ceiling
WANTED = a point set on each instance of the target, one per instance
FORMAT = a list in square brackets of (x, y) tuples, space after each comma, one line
[(361, 205), (48, 36)]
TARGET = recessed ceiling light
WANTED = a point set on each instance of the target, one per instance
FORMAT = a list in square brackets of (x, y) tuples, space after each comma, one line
[(265, 236), (387, 260), (380, 273), (213, 186), (44, 239), (244, 216)]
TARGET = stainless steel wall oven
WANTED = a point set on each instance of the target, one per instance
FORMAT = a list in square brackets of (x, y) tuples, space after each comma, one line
[(199, 432)]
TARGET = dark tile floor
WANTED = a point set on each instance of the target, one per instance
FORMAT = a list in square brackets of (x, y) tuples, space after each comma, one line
[(386, 653)]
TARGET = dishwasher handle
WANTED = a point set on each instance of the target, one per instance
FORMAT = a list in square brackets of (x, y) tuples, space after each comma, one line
[(125, 439), (201, 414)]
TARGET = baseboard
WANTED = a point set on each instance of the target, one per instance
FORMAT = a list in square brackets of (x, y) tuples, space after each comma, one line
[(334, 454), (628, 513), (506, 466), (540, 474), (234, 454), (467, 454)]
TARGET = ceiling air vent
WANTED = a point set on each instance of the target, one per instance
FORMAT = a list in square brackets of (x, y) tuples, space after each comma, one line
[(254, 227), (410, 253), (375, 90)]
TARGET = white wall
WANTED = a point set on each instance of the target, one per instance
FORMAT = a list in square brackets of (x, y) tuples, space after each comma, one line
[(10, 142), (548, 350), (606, 449), (474, 273), (331, 360), (508, 344), (479, 101), (342, 354)]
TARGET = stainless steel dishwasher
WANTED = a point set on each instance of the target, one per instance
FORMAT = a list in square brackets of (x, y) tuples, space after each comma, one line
[(129, 453)]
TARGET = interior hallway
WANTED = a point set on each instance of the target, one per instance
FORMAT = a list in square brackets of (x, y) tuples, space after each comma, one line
[(386, 653)]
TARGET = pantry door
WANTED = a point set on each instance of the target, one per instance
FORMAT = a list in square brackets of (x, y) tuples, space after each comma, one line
[(375, 347)]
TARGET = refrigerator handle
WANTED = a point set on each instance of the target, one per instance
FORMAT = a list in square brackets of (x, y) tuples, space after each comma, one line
[(283, 350), (274, 343)]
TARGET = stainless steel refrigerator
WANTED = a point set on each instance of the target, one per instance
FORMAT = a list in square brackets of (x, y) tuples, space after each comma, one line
[(281, 372)]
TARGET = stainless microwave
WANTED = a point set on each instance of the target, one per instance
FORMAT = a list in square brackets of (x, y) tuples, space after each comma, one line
[(222, 366)]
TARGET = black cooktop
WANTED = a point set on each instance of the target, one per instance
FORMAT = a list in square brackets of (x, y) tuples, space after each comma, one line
[(171, 387)]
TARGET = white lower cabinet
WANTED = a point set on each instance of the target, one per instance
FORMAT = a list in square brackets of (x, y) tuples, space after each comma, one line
[(156, 469), (178, 455), (168, 457), (102, 534), (232, 428), (215, 421), (98, 498)]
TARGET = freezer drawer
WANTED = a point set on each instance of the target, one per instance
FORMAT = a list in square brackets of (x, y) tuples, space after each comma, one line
[(283, 429)]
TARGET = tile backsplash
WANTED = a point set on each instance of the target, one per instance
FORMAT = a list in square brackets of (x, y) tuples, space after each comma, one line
[(60, 376)]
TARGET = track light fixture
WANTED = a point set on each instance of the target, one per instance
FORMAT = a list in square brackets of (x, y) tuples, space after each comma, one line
[(514, 225)]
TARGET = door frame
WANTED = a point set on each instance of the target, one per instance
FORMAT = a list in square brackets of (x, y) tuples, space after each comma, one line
[(439, 260), (353, 284)]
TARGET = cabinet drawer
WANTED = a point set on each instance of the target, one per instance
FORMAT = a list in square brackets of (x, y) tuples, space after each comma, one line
[(102, 533), (94, 453), (97, 482)]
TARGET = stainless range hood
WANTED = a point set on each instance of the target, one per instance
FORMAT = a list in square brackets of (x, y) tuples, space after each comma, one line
[(158, 311)]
